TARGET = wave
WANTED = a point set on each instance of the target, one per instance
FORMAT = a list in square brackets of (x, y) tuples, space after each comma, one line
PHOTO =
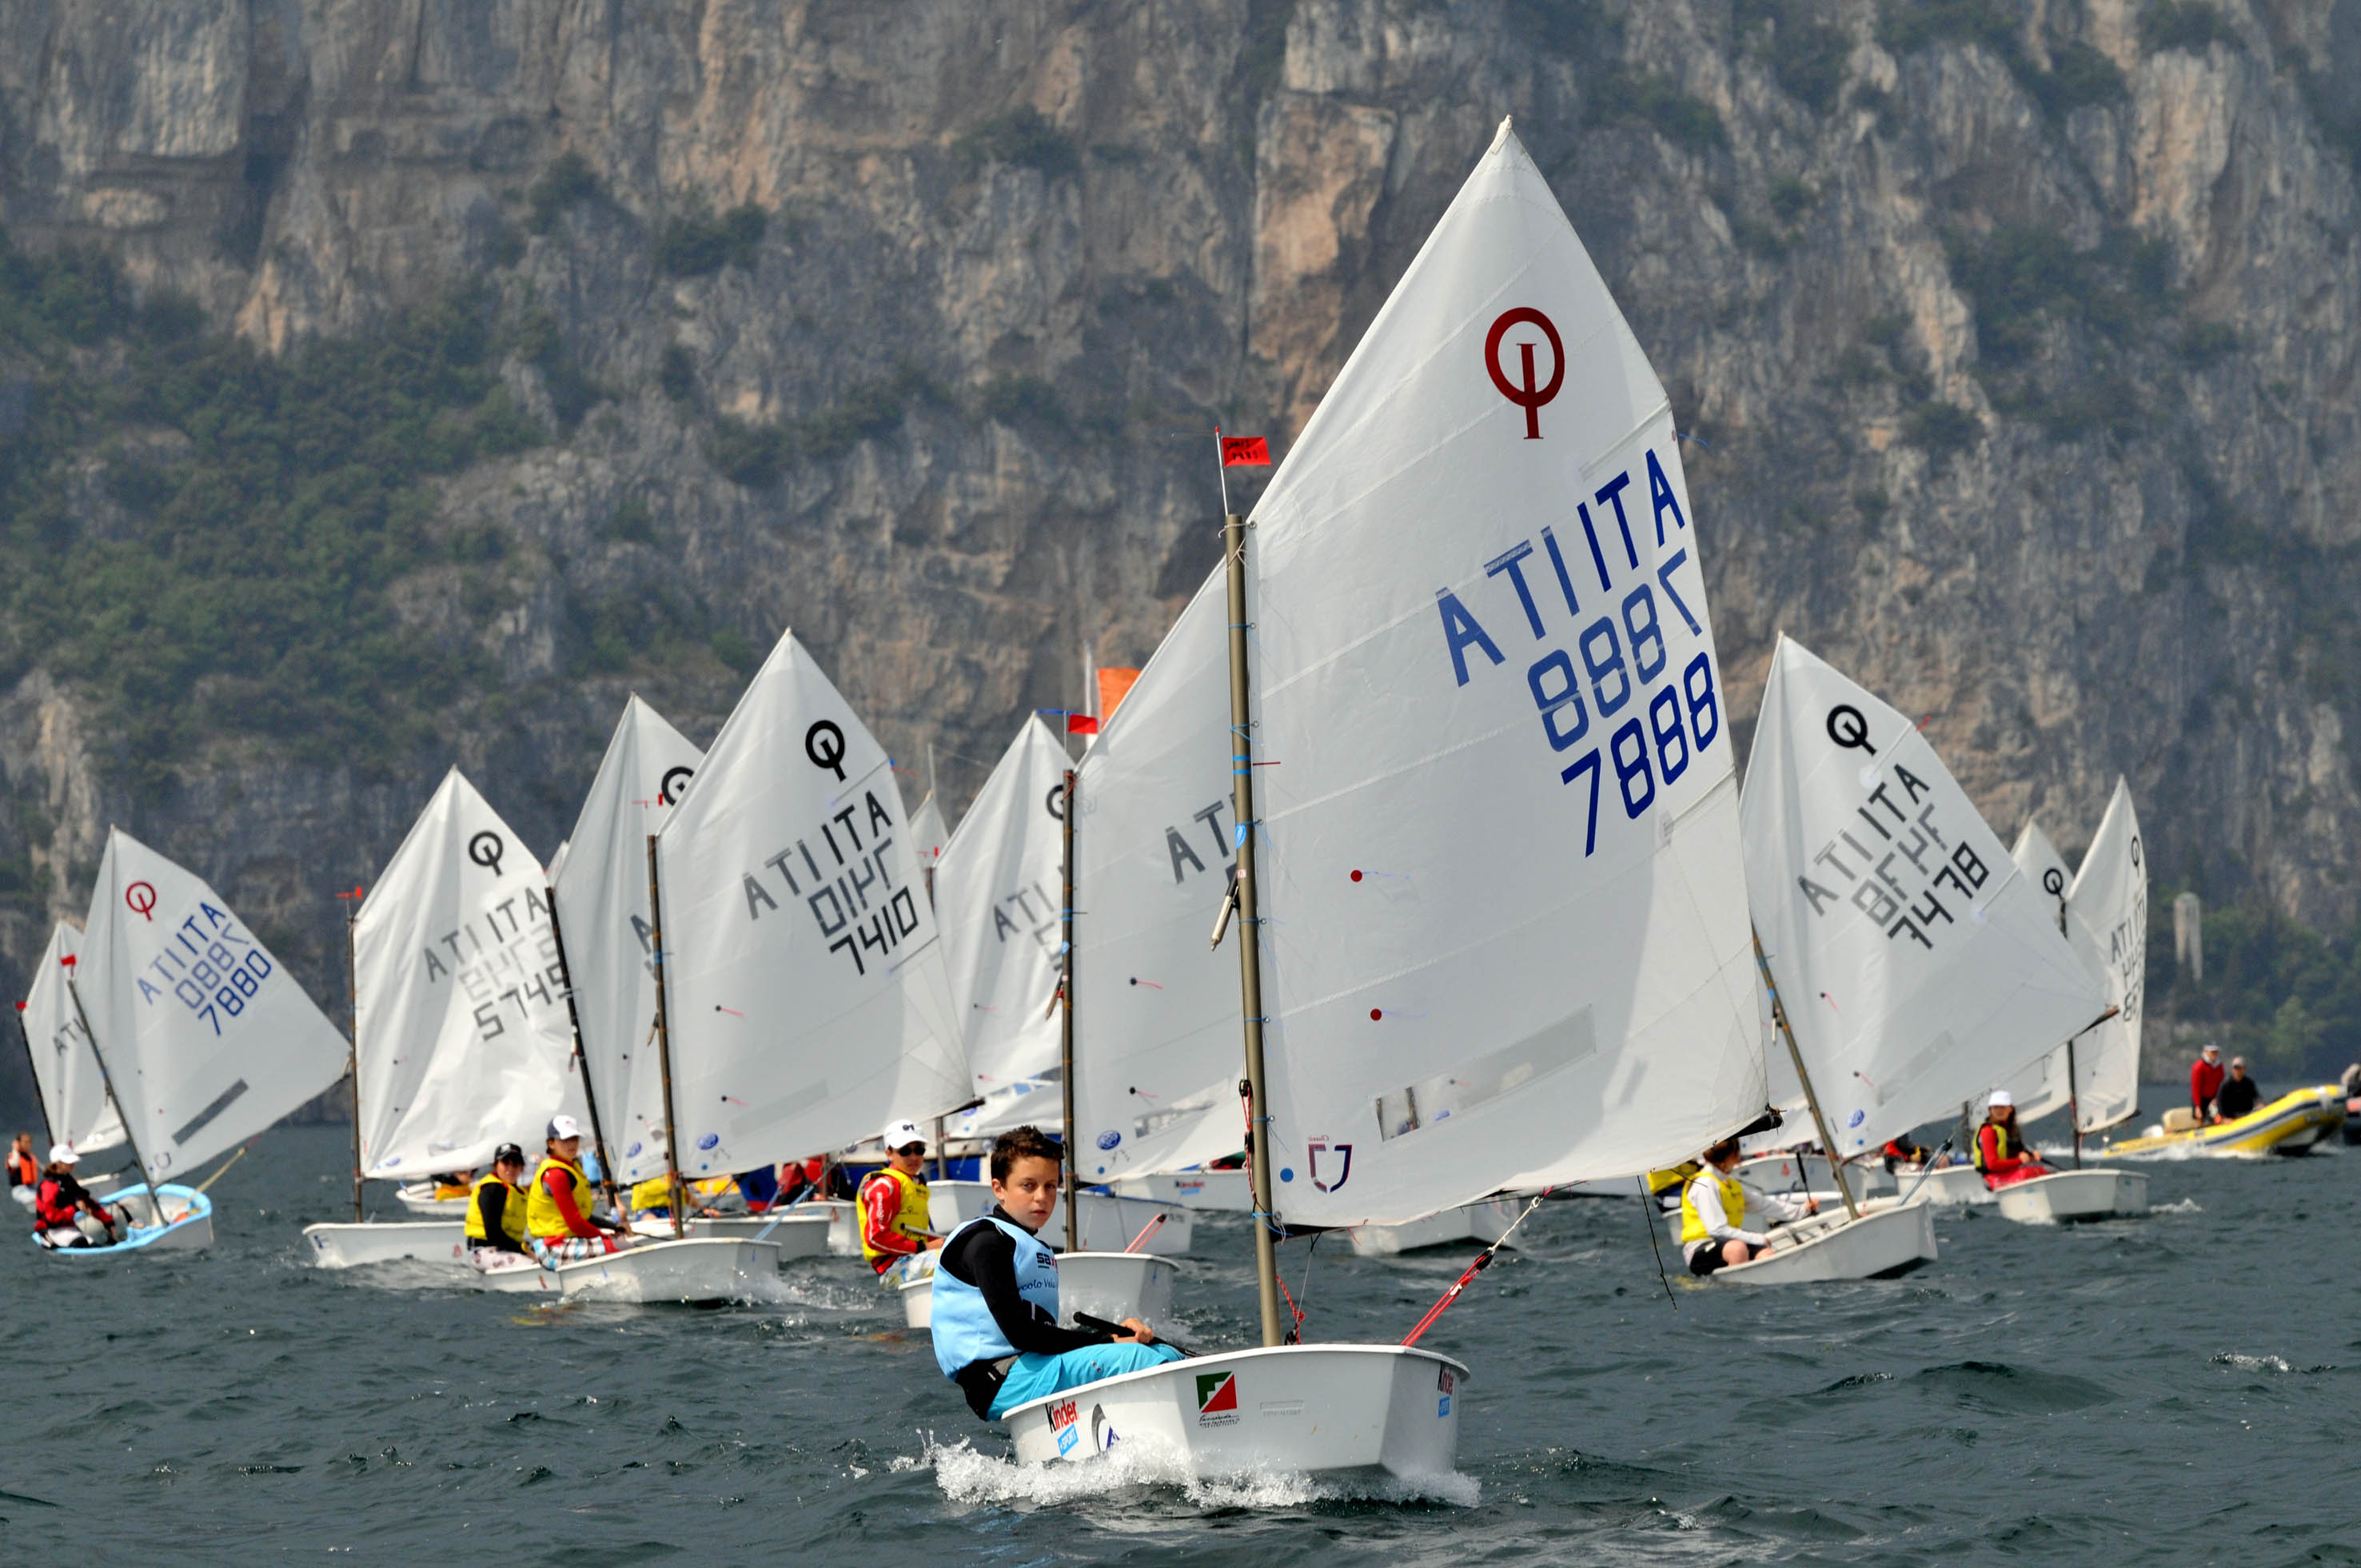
[(2262, 1362), (967, 1477)]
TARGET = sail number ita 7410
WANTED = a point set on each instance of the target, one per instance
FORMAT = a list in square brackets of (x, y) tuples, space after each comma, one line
[(1624, 682)]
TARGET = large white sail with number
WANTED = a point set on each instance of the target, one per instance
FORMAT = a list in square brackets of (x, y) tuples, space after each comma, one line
[(66, 1076), (1505, 939), (1918, 965), (602, 907), (2109, 928), (1156, 1006), (207, 1037), (806, 991), (2042, 1088), (464, 1039), (997, 902)]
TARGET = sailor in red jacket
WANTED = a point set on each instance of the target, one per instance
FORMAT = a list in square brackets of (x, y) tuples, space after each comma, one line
[(2206, 1077), (60, 1201), (2001, 1153)]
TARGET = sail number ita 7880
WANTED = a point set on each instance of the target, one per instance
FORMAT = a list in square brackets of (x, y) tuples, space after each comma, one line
[(1638, 652)]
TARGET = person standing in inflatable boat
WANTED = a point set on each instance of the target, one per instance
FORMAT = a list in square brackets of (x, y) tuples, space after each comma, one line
[(996, 1296), (2001, 1152)]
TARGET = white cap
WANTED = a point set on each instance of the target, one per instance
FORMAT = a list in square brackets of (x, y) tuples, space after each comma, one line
[(564, 1127), (2000, 1098), (62, 1154), (898, 1134), (2212, 1049)]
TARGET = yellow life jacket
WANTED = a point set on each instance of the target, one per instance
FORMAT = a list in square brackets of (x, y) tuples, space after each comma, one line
[(655, 1192), (1663, 1181), (912, 1221), (2001, 1143), (511, 1214), (448, 1187), (541, 1215), (1733, 1205)]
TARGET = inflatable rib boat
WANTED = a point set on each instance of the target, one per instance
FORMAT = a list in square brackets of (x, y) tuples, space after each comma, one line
[(2290, 1125)]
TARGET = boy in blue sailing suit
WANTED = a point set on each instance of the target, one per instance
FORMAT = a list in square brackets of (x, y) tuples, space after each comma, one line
[(994, 1311)]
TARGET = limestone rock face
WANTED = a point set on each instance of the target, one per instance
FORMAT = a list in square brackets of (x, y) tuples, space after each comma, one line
[(2019, 363)]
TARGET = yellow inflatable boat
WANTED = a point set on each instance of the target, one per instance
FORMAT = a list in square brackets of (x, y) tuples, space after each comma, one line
[(2290, 1125)]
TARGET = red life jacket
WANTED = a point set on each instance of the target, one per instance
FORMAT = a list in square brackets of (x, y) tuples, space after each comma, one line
[(57, 1201)]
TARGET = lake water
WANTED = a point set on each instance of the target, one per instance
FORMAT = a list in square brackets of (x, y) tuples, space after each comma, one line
[(2177, 1388)]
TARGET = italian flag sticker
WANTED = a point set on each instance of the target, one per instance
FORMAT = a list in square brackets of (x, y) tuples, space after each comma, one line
[(1216, 1392)]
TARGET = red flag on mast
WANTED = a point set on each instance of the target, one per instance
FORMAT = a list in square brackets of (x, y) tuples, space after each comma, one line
[(1245, 452)]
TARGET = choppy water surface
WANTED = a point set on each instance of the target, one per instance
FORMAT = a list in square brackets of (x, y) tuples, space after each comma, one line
[(2181, 1386)]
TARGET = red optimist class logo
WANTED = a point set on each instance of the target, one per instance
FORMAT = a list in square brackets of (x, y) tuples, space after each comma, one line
[(1527, 391)]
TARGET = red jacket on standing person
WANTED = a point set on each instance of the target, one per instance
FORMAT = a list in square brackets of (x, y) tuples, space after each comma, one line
[(2204, 1083)]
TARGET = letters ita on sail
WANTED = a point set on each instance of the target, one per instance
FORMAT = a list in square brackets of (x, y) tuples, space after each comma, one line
[(1504, 937)]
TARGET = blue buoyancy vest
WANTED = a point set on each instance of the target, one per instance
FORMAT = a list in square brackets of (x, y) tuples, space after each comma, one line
[(964, 1330)]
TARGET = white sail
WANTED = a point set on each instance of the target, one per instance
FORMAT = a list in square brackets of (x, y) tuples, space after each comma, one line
[(2109, 901), (1505, 939), (1156, 1006), (66, 1076), (465, 1043), (206, 1036), (602, 906), (806, 991), (2042, 1087), (997, 902), (928, 835), (1918, 966)]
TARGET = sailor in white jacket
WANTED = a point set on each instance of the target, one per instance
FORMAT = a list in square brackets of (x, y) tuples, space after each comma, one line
[(1716, 1207)]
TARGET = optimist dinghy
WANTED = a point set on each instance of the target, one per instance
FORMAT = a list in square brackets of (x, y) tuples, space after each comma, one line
[(418, 1198), (202, 1038), (697, 1273), (2093, 1194), (1504, 944), (186, 1223), (1880, 1245), (356, 1244), (1452, 1227), (1932, 966)]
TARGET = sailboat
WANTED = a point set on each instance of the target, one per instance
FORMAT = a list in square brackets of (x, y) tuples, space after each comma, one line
[(1490, 901), (76, 1105), (605, 932), (2095, 1076), (1911, 965), (1006, 894), (800, 996), (202, 1036), (998, 896)]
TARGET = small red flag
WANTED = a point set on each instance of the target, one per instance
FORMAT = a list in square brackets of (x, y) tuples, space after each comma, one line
[(1081, 724), (1245, 452)]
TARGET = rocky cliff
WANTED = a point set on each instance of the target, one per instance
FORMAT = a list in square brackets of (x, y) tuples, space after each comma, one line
[(2016, 338)]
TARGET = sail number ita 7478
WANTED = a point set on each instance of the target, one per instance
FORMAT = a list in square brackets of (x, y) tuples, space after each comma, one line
[(1624, 681)]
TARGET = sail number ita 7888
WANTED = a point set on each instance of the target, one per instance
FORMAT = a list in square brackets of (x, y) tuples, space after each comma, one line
[(1638, 652)]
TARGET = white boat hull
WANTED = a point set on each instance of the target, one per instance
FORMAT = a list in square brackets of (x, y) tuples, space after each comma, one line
[(798, 1235), (2098, 1194), (843, 1225), (1110, 1284), (420, 1201), (1954, 1184), (1882, 1243), (351, 1245), (1300, 1409), (187, 1224), (1811, 1173), (1108, 1223), (692, 1272), (1207, 1191), (1479, 1223)]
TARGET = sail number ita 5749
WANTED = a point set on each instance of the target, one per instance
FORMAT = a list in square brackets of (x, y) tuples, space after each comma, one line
[(1638, 652)]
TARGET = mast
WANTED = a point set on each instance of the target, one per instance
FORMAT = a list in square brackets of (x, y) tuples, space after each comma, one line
[(1258, 1143), (1066, 1013), (581, 1058), (674, 1193), (352, 1039), (130, 1137), (2073, 1105), (40, 1101), (1828, 1144)]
